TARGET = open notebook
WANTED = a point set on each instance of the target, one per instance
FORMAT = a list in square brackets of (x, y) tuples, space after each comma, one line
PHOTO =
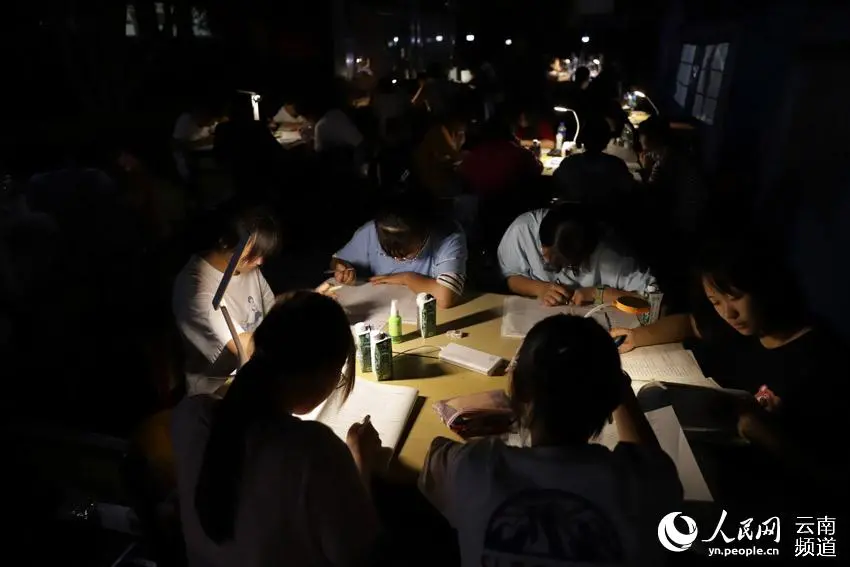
[(664, 363), (388, 407), (368, 303), (520, 314)]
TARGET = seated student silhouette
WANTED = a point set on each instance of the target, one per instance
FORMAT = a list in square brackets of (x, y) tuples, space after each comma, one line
[(752, 332), (407, 245), (563, 500), (257, 485), (559, 256)]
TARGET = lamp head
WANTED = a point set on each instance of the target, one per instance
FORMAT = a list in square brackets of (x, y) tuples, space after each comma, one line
[(639, 94)]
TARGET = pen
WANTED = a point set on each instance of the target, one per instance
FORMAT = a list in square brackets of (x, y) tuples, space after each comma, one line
[(608, 320)]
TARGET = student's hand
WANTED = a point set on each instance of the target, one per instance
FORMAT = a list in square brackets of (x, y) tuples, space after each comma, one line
[(363, 441), (344, 273), (629, 344), (583, 296), (767, 399), (327, 289), (554, 294), (391, 279)]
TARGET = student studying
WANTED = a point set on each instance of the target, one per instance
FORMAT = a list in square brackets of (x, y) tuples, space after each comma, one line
[(210, 353), (594, 505), (259, 486), (405, 245), (559, 256)]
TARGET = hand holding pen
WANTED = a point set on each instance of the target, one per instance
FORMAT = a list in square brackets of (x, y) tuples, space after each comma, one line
[(555, 294), (364, 443)]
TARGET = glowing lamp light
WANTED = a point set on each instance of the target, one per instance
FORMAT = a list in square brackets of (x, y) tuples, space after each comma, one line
[(439, 38), (395, 39), (585, 39), (470, 37), (255, 102), (508, 41), (596, 62)]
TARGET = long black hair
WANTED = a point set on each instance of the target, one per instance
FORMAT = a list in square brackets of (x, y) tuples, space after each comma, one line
[(304, 336), (567, 378)]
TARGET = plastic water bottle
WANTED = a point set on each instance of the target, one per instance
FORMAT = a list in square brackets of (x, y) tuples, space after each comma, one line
[(655, 296), (560, 136)]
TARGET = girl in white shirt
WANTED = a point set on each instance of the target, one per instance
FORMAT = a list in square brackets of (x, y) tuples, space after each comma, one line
[(257, 485), (563, 500)]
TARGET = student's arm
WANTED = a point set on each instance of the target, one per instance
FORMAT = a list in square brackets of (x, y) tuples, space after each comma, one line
[(632, 426), (527, 287), (672, 329), (417, 283), (354, 256), (753, 426)]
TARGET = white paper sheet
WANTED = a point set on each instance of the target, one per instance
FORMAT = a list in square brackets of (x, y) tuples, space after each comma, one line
[(672, 439), (388, 407), (367, 303), (664, 364), (520, 314)]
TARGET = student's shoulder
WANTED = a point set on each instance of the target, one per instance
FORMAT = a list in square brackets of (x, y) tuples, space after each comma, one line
[(316, 440), (196, 277), (528, 221)]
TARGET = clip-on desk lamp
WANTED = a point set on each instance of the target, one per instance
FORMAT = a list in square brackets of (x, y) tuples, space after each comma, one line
[(563, 110), (627, 304), (255, 102), (218, 298)]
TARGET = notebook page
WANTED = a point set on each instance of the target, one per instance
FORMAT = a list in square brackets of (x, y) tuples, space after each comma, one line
[(387, 406), (677, 366), (367, 303), (520, 314)]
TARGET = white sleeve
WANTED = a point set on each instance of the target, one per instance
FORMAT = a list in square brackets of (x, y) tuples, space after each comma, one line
[(266, 293), (205, 327)]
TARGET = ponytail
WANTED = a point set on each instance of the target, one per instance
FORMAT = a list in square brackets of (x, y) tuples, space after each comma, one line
[(216, 494)]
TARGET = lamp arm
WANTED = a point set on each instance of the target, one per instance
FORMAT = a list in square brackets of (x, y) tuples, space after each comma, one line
[(234, 334), (218, 298), (578, 126)]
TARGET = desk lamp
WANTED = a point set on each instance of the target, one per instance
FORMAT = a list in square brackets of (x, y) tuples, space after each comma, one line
[(563, 110), (627, 304), (255, 102), (641, 94), (218, 298)]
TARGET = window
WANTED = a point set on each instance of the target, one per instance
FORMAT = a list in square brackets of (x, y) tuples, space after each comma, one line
[(685, 75), (710, 80), (131, 27), (200, 24)]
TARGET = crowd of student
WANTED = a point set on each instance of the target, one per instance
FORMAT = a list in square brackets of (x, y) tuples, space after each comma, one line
[(258, 486)]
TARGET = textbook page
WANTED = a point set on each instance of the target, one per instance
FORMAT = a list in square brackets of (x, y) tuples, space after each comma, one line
[(388, 407), (368, 303), (664, 363), (520, 314)]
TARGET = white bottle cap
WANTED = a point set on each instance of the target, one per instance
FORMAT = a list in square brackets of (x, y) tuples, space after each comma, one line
[(394, 308)]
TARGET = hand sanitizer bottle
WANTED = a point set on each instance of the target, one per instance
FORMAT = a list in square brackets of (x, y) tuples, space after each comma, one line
[(394, 323)]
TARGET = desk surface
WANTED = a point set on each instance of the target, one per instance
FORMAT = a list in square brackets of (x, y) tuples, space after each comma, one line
[(481, 319)]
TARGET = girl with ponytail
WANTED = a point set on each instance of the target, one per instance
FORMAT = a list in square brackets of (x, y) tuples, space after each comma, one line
[(257, 485)]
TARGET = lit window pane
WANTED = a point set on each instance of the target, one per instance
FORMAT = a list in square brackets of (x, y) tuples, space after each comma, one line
[(698, 102), (684, 76), (681, 94), (200, 24), (714, 84), (708, 110), (689, 51), (718, 62), (131, 28)]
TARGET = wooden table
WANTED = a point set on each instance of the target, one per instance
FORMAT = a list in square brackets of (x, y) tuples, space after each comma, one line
[(481, 319)]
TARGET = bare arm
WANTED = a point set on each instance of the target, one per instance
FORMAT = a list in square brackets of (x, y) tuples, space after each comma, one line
[(632, 425), (527, 287), (445, 297), (672, 329), (247, 340)]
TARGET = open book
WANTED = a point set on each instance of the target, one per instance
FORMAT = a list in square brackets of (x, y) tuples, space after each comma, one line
[(388, 407), (664, 363), (368, 303), (520, 314)]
